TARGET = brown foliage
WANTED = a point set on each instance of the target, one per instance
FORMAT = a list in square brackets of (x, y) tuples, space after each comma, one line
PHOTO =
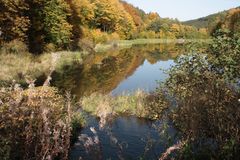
[(14, 24), (34, 124)]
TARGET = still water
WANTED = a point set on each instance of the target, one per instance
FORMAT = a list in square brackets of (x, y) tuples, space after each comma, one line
[(119, 72), (145, 77), (124, 138)]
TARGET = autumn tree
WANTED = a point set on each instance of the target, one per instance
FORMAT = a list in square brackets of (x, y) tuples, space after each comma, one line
[(176, 30), (81, 14), (125, 24), (153, 16), (84, 10), (13, 20), (137, 15), (234, 20), (110, 16), (46, 25), (231, 21), (106, 17)]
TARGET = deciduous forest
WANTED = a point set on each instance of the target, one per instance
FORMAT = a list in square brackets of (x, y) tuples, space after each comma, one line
[(61, 24)]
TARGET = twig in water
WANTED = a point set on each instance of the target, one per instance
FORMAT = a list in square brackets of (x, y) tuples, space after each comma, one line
[(177, 146)]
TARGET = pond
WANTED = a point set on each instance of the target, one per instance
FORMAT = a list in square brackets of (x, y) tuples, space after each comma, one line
[(120, 72)]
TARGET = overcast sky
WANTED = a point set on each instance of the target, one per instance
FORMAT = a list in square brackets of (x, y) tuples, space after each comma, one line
[(185, 9)]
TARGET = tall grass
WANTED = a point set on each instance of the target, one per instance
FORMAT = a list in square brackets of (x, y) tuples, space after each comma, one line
[(19, 66), (139, 104), (36, 123)]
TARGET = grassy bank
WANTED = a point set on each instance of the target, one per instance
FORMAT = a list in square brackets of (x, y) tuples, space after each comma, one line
[(121, 44), (138, 104), (19, 66)]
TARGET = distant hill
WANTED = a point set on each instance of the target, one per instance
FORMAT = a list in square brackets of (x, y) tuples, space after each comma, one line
[(206, 22), (210, 22)]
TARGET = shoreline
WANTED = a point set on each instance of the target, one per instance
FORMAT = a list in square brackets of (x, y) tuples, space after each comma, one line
[(122, 44)]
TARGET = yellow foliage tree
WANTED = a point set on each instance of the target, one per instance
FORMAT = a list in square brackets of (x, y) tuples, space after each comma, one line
[(84, 11), (14, 24)]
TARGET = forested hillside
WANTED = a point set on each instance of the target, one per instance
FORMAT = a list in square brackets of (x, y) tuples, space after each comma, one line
[(210, 22), (49, 25), (206, 22)]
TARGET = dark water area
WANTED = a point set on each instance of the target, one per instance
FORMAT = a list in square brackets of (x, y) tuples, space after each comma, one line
[(124, 138)]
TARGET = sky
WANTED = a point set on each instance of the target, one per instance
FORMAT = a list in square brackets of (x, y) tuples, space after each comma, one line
[(185, 9)]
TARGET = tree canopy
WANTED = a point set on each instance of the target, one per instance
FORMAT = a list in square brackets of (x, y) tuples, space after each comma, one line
[(61, 24)]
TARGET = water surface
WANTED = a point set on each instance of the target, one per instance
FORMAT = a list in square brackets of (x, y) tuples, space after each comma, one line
[(136, 139), (120, 71), (145, 77)]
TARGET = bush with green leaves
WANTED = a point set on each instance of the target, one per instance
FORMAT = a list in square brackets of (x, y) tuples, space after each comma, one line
[(58, 30), (225, 51), (207, 99), (207, 112)]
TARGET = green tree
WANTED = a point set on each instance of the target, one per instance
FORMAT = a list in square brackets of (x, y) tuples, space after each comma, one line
[(58, 30), (155, 25)]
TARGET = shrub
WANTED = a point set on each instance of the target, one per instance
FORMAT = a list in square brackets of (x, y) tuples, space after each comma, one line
[(114, 36), (147, 34), (34, 124), (225, 50), (207, 112), (99, 37), (156, 103), (206, 93)]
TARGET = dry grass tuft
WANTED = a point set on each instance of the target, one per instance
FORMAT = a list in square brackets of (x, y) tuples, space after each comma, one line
[(18, 66), (35, 123), (139, 104)]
